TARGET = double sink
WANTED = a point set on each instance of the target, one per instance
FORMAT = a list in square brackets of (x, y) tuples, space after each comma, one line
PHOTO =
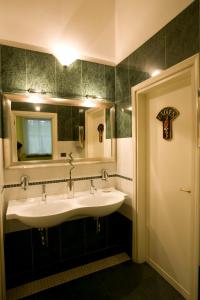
[(57, 209)]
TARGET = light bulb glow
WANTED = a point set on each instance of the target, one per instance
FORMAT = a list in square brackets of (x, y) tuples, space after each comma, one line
[(65, 55), (35, 98), (155, 73), (37, 108), (88, 103)]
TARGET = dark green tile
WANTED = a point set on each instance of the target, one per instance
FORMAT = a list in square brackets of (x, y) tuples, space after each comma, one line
[(0, 71), (68, 79), (1, 117), (93, 79), (123, 120), (40, 71), (122, 91), (23, 106), (108, 128), (13, 68), (110, 83), (65, 123), (182, 35), (149, 57)]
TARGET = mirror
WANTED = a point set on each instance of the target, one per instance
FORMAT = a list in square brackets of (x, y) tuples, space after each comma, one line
[(44, 130)]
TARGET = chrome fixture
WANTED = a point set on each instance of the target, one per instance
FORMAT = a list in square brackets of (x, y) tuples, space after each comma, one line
[(70, 183), (44, 195), (104, 174), (92, 187), (33, 91), (24, 181)]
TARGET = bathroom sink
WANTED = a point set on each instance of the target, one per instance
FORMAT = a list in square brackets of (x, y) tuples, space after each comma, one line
[(58, 208)]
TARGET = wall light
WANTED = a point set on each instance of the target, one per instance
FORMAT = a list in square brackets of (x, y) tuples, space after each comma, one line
[(155, 72), (35, 98), (65, 55), (88, 101)]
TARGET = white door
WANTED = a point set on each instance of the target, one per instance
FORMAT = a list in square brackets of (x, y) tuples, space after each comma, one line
[(169, 183), (166, 181)]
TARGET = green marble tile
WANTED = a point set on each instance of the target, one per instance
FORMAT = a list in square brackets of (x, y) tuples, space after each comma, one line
[(108, 128), (93, 79), (65, 123), (40, 71), (110, 83), (13, 68), (182, 35), (123, 121), (122, 91), (149, 57), (68, 79), (1, 117), (0, 71)]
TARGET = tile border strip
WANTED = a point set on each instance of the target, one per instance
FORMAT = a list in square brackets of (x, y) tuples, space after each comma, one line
[(13, 185)]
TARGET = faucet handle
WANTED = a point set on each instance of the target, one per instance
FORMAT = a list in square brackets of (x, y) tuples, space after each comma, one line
[(104, 174), (24, 181)]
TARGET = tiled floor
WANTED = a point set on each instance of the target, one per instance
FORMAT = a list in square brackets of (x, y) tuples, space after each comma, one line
[(127, 281)]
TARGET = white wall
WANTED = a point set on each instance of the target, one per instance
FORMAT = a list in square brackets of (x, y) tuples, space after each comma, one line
[(125, 168)]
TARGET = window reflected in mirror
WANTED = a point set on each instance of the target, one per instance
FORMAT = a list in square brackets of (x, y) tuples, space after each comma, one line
[(34, 138)]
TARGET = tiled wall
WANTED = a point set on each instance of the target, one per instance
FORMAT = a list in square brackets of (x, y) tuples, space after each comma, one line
[(177, 41), (23, 69)]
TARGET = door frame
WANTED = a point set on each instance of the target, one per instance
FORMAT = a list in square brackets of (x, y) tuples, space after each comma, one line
[(190, 65)]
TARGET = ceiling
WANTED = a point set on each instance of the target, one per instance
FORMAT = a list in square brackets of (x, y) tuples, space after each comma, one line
[(100, 30)]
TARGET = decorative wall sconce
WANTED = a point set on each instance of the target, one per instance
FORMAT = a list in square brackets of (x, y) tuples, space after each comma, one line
[(65, 55)]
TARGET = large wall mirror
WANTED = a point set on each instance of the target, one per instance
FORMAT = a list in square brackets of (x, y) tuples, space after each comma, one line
[(44, 130)]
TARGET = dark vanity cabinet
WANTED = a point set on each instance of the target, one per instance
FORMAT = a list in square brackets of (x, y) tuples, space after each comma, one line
[(32, 254)]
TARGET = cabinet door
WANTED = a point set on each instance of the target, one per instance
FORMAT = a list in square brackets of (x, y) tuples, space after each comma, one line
[(95, 234), (72, 239)]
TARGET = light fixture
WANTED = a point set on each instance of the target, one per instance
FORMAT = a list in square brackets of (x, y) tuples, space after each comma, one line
[(35, 98), (65, 55), (155, 72), (88, 101), (37, 108), (33, 91)]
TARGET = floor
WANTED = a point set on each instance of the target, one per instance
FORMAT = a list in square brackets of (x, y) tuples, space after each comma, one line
[(126, 281)]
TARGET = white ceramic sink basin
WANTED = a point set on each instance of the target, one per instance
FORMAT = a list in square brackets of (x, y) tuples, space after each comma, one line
[(58, 208)]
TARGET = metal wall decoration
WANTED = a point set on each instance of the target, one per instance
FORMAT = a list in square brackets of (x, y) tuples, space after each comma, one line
[(167, 115)]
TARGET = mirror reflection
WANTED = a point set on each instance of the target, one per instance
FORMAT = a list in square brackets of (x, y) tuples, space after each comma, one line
[(34, 138), (44, 131)]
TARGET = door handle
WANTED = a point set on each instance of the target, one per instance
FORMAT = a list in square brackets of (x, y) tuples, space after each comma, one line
[(185, 190)]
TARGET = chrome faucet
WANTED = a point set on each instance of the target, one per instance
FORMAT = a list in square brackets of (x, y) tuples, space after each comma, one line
[(44, 195), (24, 181), (92, 187), (104, 174)]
